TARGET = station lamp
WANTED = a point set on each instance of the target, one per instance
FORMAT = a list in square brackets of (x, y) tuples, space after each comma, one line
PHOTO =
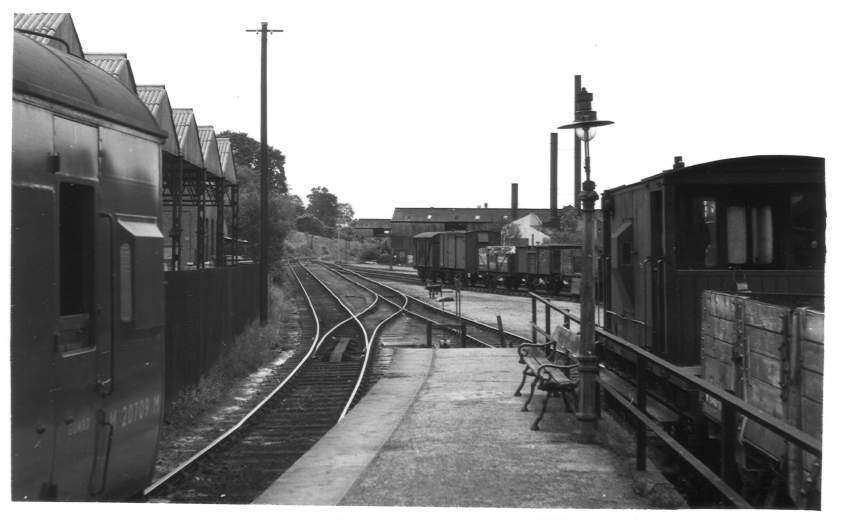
[(588, 363), (585, 124)]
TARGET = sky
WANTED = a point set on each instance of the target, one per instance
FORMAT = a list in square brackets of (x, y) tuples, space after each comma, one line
[(446, 103)]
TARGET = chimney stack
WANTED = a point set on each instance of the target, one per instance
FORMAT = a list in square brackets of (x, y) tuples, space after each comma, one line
[(555, 222), (679, 162), (485, 205), (514, 201)]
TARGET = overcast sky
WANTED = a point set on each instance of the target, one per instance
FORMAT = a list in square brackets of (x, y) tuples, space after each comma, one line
[(445, 103)]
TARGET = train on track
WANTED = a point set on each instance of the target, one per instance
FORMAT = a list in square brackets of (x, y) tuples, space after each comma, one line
[(475, 258), (719, 269), (87, 315)]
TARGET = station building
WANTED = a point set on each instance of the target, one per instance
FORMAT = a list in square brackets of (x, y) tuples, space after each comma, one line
[(408, 222)]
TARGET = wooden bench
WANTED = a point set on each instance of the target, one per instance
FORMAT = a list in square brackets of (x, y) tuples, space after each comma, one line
[(551, 364)]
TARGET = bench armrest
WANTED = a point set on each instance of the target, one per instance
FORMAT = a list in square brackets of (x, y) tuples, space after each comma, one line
[(524, 346)]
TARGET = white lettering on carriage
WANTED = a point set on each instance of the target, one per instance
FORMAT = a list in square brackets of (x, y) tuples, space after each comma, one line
[(135, 411)]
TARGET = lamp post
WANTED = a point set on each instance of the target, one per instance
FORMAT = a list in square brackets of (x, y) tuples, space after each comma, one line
[(589, 405)]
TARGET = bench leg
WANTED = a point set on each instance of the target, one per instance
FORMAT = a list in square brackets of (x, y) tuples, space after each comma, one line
[(535, 426), (525, 373), (531, 396), (569, 407)]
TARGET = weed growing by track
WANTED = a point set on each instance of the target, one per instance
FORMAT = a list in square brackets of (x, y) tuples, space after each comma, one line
[(252, 349)]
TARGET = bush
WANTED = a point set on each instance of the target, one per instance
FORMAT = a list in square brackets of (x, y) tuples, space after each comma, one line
[(369, 255)]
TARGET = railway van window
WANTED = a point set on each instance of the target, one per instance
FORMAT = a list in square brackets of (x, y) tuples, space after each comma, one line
[(699, 239), (806, 239), (125, 270), (750, 235), (76, 248)]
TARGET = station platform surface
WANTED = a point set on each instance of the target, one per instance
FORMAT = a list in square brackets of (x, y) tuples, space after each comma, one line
[(442, 428)]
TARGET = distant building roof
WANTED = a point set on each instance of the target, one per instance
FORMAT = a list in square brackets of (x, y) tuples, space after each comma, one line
[(187, 136), (371, 223), (58, 25), (116, 64), (228, 166), (156, 100), (492, 215)]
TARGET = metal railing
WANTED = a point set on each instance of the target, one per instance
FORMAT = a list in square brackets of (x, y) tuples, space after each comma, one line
[(732, 407)]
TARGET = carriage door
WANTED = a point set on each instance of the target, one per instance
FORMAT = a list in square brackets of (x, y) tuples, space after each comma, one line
[(657, 292), (80, 321)]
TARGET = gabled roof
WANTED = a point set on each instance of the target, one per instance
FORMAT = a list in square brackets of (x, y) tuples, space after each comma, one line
[(187, 136), (209, 148), (58, 25), (491, 215), (371, 223), (228, 166), (156, 100), (116, 64)]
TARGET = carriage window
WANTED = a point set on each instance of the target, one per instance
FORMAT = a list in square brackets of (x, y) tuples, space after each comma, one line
[(806, 246), (76, 245), (750, 235), (125, 270), (699, 242)]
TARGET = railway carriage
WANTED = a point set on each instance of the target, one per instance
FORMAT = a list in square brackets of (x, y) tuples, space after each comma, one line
[(719, 268), (753, 223), (86, 281)]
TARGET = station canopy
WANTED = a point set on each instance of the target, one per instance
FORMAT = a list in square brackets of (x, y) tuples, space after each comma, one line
[(155, 98), (116, 64), (228, 166), (188, 136), (58, 25), (209, 149)]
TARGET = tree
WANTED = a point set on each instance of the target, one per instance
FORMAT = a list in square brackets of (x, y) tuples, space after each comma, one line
[(323, 205), (345, 213), (246, 152)]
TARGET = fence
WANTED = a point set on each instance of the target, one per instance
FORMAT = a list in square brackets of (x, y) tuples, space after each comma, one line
[(204, 311), (731, 407)]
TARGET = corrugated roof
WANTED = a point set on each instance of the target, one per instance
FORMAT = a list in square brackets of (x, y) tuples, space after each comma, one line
[(187, 135), (462, 214), (151, 96), (156, 100), (209, 148), (116, 64), (59, 25), (228, 166)]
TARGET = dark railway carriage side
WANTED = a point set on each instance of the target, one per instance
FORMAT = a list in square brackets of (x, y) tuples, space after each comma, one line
[(752, 221), (87, 319)]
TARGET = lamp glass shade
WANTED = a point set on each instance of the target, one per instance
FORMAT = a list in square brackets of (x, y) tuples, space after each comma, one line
[(585, 133)]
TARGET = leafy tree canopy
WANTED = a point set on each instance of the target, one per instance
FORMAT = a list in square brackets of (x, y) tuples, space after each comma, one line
[(246, 152), (323, 205)]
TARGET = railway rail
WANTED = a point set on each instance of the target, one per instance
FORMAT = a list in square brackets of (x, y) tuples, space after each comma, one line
[(478, 333), (319, 391)]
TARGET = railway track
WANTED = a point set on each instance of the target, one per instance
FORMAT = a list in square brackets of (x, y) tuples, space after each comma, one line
[(477, 333), (413, 278), (237, 466)]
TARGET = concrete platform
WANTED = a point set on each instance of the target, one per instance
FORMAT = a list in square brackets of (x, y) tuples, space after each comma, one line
[(443, 428)]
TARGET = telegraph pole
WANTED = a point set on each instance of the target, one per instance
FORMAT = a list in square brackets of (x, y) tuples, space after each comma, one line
[(263, 161)]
